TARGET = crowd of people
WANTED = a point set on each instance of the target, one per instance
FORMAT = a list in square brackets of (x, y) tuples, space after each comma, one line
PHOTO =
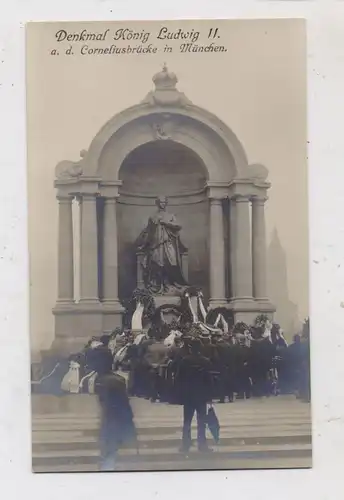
[(244, 362), (191, 368), (188, 365)]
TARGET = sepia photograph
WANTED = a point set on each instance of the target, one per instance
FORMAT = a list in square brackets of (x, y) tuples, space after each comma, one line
[(168, 245)]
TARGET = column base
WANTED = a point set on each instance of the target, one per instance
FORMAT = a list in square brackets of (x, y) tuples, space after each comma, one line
[(244, 310), (89, 301), (63, 347), (112, 305), (63, 303), (75, 325), (247, 309), (242, 303), (216, 303), (112, 315), (265, 306)]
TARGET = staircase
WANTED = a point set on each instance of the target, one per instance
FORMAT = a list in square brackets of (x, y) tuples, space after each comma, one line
[(259, 433)]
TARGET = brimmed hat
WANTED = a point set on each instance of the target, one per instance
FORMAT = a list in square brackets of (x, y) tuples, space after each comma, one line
[(204, 334), (217, 334), (240, 327), (196, 344)]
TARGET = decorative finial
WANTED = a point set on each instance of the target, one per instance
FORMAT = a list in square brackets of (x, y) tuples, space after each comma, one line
[(164, 80), (165, 93)]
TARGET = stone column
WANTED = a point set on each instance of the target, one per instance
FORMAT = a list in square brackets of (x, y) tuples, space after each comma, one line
[(65, 251), (110, 252), (243, 257), (259, 248), (232, 246), (217, 254), (89, 249)]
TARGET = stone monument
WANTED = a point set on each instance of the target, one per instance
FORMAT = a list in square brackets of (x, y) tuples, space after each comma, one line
[(217, 196)]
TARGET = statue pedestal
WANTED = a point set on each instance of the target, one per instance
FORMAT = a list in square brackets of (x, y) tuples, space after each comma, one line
[(168, 300), (171, 300)]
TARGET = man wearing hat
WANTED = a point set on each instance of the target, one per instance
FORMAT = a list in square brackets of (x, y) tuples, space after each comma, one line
[(222, 367), (117, 425), (195, 389)]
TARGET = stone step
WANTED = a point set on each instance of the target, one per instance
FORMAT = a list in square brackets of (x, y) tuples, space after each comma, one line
[(82, 404), (173, 431), (274, 405), (228, 464), (84, 452), (161, 431), (155, 460), (157, 427), (83, 442), (148, 416), (174, 414), (261, 433), (165, 411)]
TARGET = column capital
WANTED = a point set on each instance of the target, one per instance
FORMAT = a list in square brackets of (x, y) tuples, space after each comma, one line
[(88, 196), (215, 201), (217, 190), (110, 189), (64, 198), (78, 198), (259, 200), (242, 198), (110, 200)]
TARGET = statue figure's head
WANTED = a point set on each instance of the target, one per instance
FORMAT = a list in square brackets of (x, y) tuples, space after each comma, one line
[(161, 202)]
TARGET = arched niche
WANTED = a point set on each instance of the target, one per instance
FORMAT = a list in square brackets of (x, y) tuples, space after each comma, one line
[(168, 168), (218, 161), (162, 166)]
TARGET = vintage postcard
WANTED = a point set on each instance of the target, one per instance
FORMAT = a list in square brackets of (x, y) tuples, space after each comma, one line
[(168, 228)]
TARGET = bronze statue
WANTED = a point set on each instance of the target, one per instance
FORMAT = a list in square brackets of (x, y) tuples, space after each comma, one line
[(160, 243)]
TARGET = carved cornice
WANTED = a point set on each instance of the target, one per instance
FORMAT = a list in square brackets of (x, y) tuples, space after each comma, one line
[(247, 187), (186, 198), (153, 196), (217, 190), (86, 186), (110, 189)]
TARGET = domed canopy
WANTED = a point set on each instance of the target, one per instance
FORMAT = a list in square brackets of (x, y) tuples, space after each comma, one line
[(167, 114)]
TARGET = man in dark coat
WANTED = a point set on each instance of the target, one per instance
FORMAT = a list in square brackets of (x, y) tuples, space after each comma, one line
[(225, 367), (294, 357), (195, 389), (155, 356), (241, 367), (117, 424), (261, 353)]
